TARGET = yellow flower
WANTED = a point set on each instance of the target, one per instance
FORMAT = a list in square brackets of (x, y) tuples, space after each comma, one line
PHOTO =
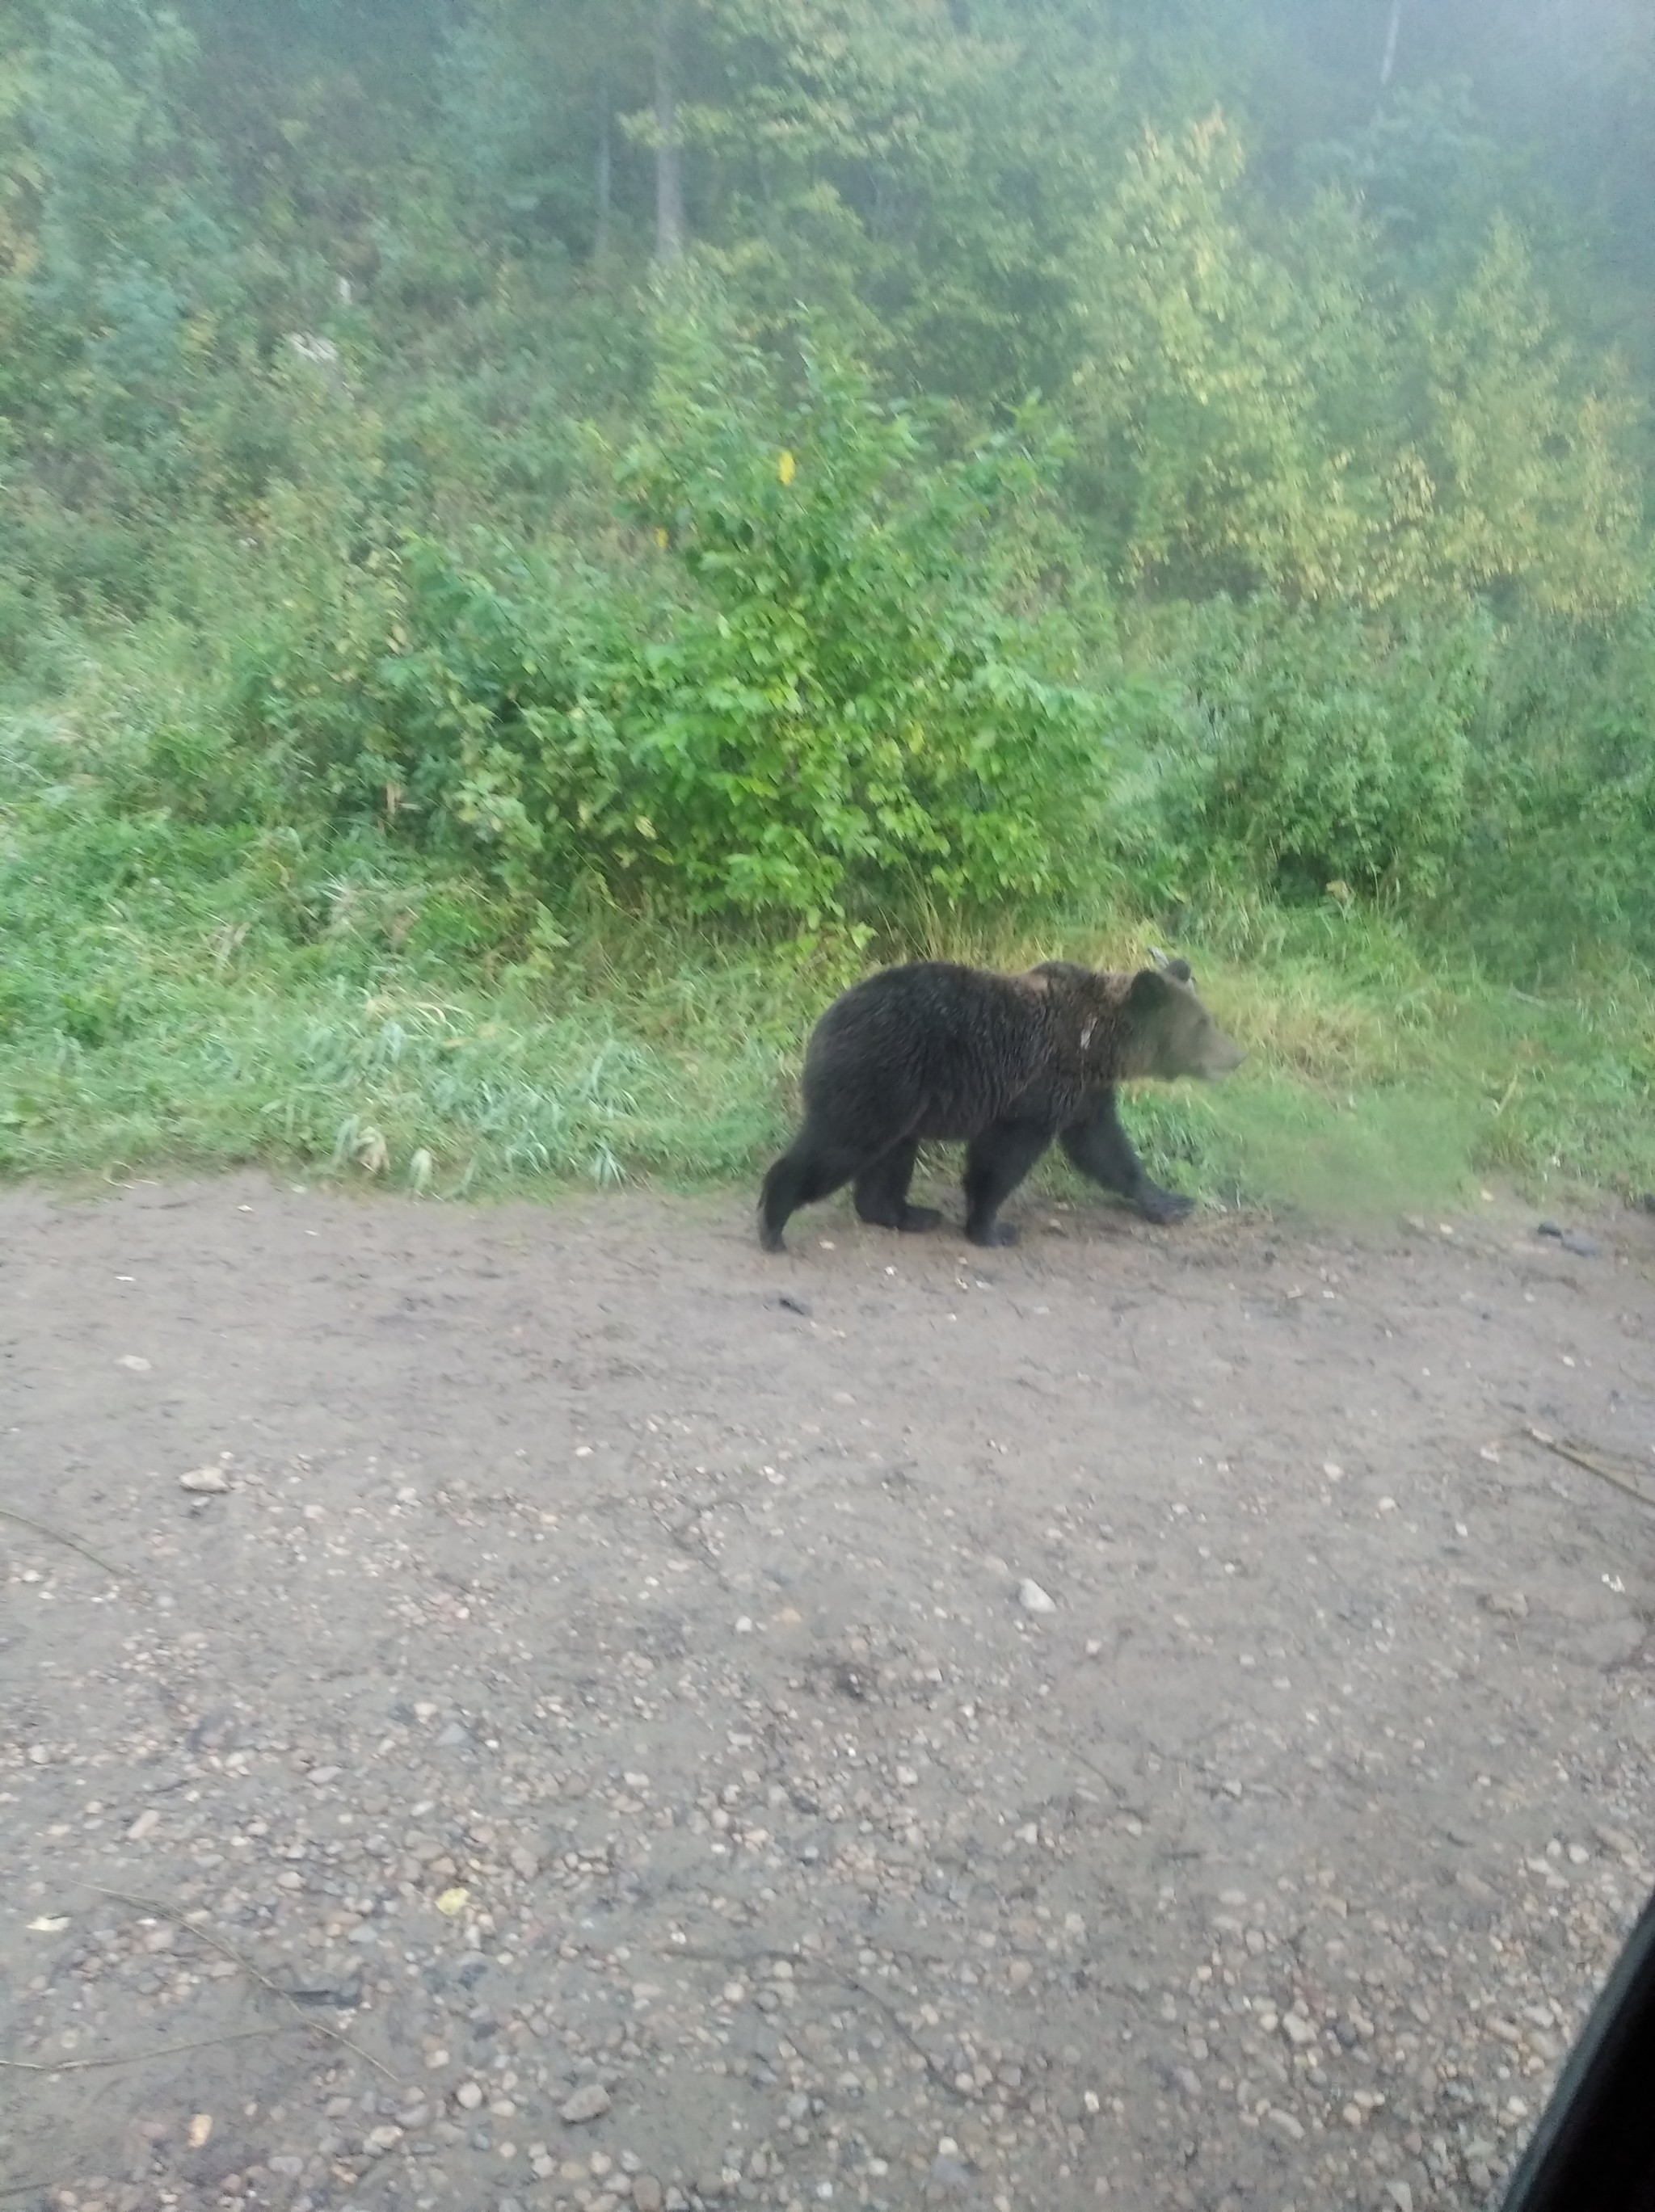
[(660, 538), (785, 466)]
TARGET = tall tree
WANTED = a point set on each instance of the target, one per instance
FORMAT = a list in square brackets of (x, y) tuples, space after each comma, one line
[(669, 145)]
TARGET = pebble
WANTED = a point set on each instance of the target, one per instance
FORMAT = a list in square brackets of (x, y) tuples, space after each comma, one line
[(589, 2102), (1033, 1599), (647, 2193), (948, 2178), (208, 1481)]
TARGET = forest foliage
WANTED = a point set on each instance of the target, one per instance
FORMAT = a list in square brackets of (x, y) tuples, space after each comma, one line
[(821, 472)]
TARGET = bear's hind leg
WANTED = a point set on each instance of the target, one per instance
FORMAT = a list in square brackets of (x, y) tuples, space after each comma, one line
[(881, 1191), (1100, 1148), (995, 1163), (806, 1172)]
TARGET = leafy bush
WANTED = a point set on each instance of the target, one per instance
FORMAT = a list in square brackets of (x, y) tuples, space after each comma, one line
[(1314, 751), (1562, 852), (813, 706)]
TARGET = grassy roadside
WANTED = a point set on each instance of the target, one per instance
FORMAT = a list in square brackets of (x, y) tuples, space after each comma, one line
[(174, 995)]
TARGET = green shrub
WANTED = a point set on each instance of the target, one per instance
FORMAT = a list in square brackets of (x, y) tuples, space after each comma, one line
[(814, 706), (1315, 750), (1561, 857)]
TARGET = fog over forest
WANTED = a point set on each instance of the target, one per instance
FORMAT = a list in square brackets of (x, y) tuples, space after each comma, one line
[(583, 524)]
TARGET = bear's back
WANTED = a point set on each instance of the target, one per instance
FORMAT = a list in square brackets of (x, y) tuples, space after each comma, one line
[(943, 1047)]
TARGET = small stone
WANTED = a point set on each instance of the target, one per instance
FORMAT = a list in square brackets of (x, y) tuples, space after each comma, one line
[(1400, 2195), (525, 1861), (948, 2178), (133, 1363), (468, 2096), (647, 2193), (1510, 1605), (207, 1481), (1033, 1599), (1298, 2030), (148, 1822), (589, 2102), (1284, 2125)]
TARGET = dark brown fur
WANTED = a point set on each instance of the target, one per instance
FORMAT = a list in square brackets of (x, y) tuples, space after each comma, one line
[(933, 1051)]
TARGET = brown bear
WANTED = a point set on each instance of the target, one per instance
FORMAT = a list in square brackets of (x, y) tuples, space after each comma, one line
[(1003, 1063)]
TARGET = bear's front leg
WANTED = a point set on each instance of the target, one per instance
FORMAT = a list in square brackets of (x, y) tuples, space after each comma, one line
[(995, 1163), (1100, 1148)]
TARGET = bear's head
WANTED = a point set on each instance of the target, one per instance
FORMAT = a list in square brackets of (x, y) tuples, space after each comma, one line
[(1171, 1032)]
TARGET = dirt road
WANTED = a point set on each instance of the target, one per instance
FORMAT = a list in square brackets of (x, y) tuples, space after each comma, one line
[(1133, 1718)]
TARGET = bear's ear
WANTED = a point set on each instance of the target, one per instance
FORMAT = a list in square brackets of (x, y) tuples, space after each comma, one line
[(1178, 970), (1150, 991)]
